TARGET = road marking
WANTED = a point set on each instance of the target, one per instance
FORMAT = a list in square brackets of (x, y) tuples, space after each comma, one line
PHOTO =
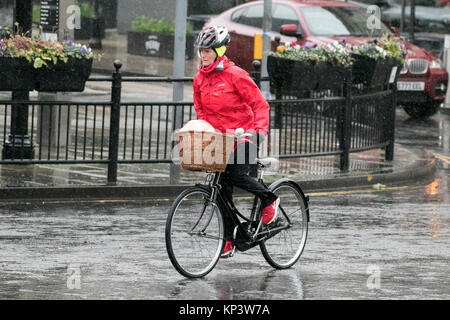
[(321, 194), (446, 159), (243, 197)]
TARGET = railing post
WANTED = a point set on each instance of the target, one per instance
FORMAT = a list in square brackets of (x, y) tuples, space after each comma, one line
[(346, 122), (278, 96), (278, 108), (114, 123), (18, 145), (389, 124)]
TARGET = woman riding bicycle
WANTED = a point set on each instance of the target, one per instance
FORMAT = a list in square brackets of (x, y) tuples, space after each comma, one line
[(227, 98)]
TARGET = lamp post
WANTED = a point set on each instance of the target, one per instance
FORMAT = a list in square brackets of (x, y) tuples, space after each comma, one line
[(412, 19), (18, 144), (95, 42)]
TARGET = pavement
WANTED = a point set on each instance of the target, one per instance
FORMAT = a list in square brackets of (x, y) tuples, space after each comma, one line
[(81, 182), (114, 46), (45, 182)]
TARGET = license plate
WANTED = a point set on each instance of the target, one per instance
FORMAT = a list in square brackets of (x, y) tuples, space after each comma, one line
[(410, 86)]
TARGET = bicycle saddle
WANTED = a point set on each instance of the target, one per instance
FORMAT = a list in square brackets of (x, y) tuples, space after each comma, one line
[(267, 162)]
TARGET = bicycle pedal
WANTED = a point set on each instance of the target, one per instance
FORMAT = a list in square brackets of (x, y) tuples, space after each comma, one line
[(228, 254), (279, 222)]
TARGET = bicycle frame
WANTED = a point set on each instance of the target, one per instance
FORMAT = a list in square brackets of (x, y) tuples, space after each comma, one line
[(230, 225), (251, 238)]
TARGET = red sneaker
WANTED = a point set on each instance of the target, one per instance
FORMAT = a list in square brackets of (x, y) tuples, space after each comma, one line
[(270, 212), (228, 251)]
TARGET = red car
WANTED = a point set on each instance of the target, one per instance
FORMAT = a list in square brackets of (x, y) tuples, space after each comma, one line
[(422, 84)]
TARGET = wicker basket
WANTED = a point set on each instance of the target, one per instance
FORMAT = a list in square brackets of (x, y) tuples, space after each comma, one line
[(204, 151)]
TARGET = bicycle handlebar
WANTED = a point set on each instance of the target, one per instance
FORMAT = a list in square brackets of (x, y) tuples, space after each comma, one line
[(240, 133)]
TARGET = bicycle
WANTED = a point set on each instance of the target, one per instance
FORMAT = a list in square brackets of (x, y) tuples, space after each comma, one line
[(194, 242)]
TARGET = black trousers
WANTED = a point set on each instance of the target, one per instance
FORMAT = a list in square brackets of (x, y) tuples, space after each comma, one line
[(237, 174)]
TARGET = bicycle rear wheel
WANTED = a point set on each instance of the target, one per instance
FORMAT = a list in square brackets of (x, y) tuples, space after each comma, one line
[(194, 233), (285, 248)]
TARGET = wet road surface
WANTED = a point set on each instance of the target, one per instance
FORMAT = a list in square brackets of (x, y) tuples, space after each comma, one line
[(372, 244), (362, 244)]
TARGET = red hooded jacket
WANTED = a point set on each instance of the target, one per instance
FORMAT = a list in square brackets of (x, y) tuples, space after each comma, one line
[(227, 98)]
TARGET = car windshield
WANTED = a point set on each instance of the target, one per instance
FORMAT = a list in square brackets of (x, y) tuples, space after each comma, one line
[(342, 21)]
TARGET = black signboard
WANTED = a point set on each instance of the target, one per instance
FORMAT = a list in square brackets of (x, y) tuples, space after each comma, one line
[(50, 15)]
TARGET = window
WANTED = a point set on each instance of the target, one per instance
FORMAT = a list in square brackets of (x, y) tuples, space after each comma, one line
[(340, 21), (6, 14), (253, 16), (236, 15), (282, 14)]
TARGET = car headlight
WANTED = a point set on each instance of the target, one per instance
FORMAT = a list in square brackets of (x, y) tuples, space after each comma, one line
[(436, 64)]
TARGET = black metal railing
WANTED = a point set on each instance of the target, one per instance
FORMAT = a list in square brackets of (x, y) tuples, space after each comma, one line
[(335, 122), (114, 131)]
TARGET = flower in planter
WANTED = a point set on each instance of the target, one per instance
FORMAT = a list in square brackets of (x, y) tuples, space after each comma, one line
[(385, 47), (3, 47), (371, 50), (77, 50), (394, 47), (335, 53), (41, 52)]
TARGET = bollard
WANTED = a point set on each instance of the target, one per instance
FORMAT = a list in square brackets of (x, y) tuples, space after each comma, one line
[(114, 123), (256, 73)]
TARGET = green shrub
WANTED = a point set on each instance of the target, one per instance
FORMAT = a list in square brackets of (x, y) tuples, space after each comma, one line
[(162, 26), (37, 14), (86, 10)]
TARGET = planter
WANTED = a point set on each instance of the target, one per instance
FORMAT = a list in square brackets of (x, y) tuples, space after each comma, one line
[(70, 76), (292, 74), (19, 75), (370, 72), (331, 77), (300, 75), (16, 74), (156, 45), (87, 28)]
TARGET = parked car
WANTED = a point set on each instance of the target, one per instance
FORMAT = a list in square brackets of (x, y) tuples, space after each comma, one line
[(433, 42), (429, 17), (430, 41), (422, 84), (198, 20)]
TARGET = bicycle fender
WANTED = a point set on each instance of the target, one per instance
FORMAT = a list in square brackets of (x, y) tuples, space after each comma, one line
[(296, 186), (203, 187)]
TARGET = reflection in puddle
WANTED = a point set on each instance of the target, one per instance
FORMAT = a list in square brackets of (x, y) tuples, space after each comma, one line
[(433, 188), (271, 285)]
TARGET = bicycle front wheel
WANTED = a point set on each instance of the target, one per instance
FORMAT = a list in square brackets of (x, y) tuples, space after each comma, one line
[(285, 248), (194, 233)]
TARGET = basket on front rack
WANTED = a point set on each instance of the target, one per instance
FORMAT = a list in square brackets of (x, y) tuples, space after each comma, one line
[(204, 151)]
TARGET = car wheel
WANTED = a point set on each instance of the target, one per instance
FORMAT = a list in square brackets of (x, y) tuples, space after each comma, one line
[(421, 111)]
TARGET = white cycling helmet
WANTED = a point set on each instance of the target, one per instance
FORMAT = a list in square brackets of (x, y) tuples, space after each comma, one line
[(213, 37)]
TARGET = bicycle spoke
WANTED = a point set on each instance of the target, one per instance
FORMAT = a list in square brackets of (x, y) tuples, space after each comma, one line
[(194, 233), (284, 248), (201, 235)]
